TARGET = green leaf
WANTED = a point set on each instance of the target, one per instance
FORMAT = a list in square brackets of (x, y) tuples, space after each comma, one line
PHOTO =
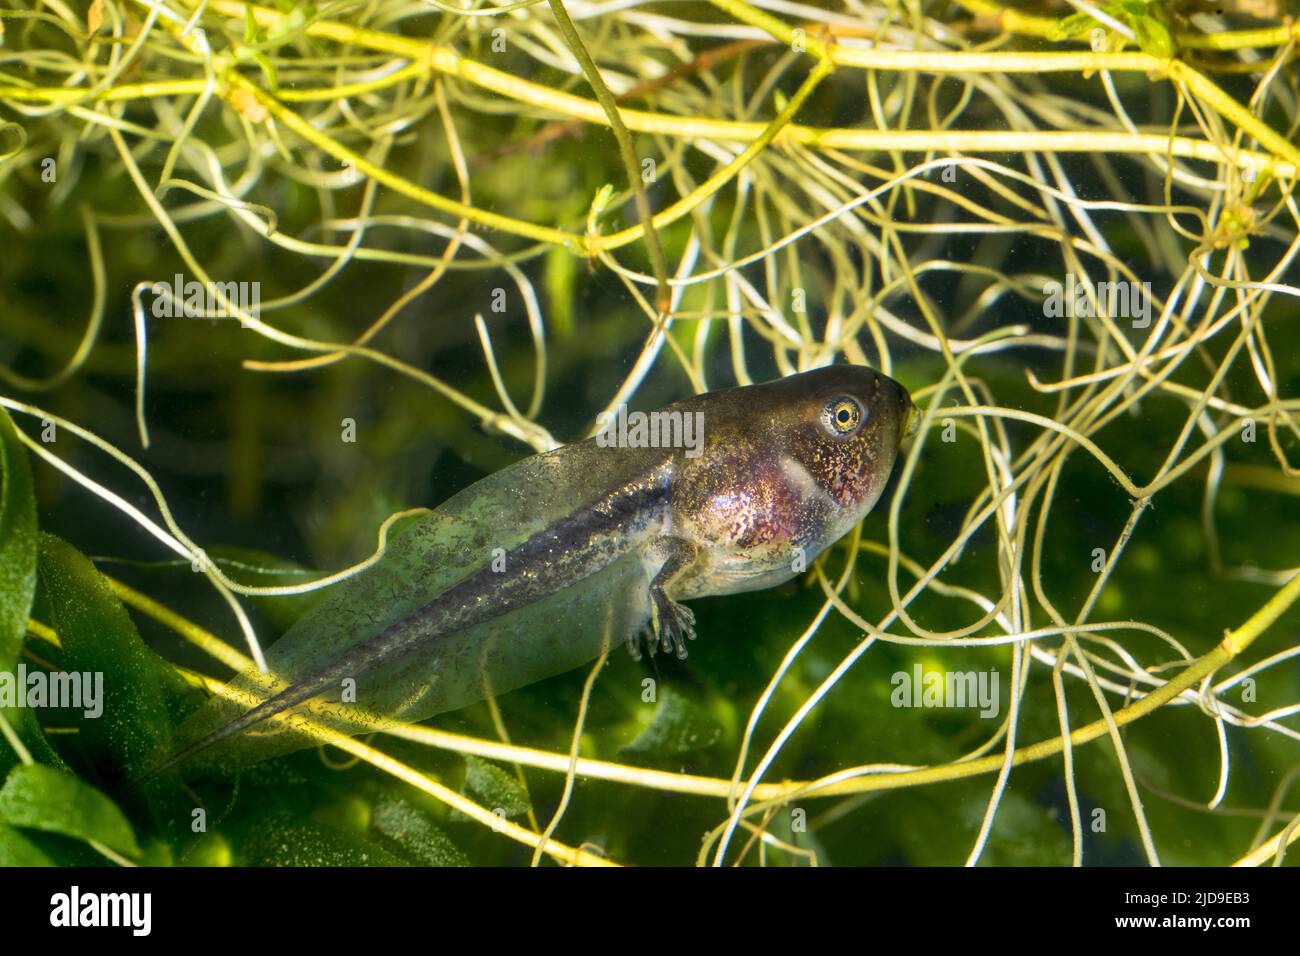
[(680, 726), (1071, 26), (494, 788), (299, 15), (17, 543), (413, 835), (17, 850), (133, 732), (17, 581), (1154, 37), (281, 839), (42, 798)]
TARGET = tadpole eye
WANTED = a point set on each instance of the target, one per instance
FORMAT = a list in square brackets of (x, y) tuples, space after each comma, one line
[(843, 416)]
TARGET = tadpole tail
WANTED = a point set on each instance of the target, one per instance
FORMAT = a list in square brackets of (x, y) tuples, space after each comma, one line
[(385, 646)]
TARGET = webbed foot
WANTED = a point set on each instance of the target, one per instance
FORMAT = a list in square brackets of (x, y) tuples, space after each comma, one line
[(674, 625), (671, 625)]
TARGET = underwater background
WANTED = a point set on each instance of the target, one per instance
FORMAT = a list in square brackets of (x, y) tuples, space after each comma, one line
[(1084, 270)]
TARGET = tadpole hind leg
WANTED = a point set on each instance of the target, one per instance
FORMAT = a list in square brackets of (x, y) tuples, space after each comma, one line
[(672, 623), (676, 624)]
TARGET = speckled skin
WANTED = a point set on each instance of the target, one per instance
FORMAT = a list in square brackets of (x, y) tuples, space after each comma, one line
[(774, 479), (773, 485)]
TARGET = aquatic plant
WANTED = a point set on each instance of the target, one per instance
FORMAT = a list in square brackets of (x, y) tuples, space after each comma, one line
[(274, 275)]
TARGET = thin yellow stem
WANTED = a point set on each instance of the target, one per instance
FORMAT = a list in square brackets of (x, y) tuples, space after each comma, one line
[(398, 184), (626, 150)]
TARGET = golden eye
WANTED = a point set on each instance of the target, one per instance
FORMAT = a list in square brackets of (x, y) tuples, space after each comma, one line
[(843, 416)]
